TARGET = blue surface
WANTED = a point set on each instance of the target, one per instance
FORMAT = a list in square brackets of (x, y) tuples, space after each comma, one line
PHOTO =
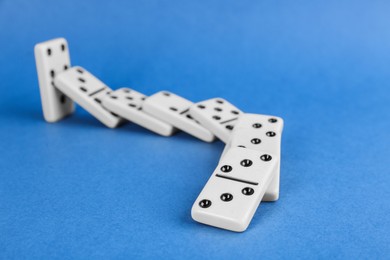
[(76, 189)]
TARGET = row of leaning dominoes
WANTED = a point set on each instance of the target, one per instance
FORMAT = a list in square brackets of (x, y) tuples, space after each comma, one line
[(249, 169)]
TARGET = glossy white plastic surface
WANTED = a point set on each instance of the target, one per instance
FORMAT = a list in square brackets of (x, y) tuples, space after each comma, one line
[(87, 91), (127, 103), (173, 109), (52, 58), (217, 115), (260, 133), (235, 189)]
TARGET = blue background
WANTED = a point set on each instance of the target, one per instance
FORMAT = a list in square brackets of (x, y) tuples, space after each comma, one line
[(75, 189)]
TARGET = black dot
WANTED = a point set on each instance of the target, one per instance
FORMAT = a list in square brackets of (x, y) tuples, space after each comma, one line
[(81, 80), (98, 100), (63, 47), (80, 71), (132, 105), (66, 67), (52, 73), (83, 89), (255, 141), (246, 163), (166, 94), (218, 109), (129, 98), (143, 98), (226, 168), (114, 97), (219, 101), (217, 117), (201, 106), (205, 203), (248, 191), (49, 51), (256, 125), (266, 157), (241, 146), (63, 99), (189, 116), (270, 134), (126, 90), (272, 120), (235, 112), (226, 197), (230, 127), (114, 114), (173, 108)]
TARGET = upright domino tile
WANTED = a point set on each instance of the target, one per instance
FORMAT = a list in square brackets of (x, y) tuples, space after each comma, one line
[(52, 58), (235, 189), (127, 103), (173, 109), (217, 115), (87, 91), (260, 133)]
